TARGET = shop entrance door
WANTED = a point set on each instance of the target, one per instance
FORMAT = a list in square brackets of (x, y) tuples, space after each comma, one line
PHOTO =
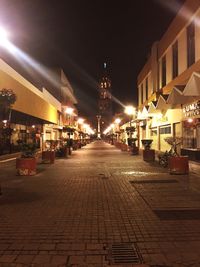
[(198, 136)]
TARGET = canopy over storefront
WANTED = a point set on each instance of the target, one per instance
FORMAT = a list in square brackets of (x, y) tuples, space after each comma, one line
[(162, 102), (192, 87)]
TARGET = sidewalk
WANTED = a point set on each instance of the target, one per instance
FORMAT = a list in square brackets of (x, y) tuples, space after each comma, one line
[(101, 207)]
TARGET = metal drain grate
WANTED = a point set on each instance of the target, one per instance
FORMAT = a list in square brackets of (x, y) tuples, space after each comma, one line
[(178, 214), (124, 253), (169, 181), (103, 176)]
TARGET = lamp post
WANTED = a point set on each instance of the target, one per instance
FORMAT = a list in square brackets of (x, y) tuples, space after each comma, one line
[(69, 111), (80, 122), (130, 111), (117, 122), (98, 126)]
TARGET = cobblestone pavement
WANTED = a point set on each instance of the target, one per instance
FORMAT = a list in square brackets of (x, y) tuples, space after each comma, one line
[(77, 211)]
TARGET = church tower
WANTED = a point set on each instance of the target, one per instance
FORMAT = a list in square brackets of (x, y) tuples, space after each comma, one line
[(105, 99)]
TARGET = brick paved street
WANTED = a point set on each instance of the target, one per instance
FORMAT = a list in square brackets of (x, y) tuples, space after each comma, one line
[(73, 212)]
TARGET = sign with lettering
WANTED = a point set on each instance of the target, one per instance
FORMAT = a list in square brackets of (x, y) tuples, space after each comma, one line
[(192, 109)]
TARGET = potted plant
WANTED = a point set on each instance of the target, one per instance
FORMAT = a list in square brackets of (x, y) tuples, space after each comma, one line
[(177, 164), (123, 145), (48, 155), (133, 148), (148, 153), (26, 164)]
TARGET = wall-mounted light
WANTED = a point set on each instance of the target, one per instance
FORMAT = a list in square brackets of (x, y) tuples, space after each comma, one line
[(190, 120), (69, 111)]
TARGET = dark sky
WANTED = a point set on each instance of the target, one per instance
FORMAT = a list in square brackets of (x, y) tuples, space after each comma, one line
[(79, 35)]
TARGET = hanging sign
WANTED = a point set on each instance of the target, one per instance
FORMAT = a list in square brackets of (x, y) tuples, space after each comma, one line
[(192, 109)]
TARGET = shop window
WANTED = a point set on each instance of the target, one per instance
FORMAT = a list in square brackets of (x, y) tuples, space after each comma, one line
[(188, 138), (165, 130), (154, 132), (190, 44)]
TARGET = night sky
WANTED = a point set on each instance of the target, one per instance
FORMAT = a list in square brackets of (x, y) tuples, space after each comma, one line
[(79, 35)]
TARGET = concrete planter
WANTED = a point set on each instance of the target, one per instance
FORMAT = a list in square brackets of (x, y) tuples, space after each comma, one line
[(124, 147), (48, 157), (134, 150), (26, 166), (178, 165), (149, 155)]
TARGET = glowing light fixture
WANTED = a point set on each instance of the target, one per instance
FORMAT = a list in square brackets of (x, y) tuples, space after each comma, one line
[(117, 121), (3, 37), (190, 120), (130, 110), (5, 121), (69, 111), (80, 120)]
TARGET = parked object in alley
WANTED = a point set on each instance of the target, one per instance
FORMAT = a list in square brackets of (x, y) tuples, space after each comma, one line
[(177, 164), (27, 164), (148, 153)]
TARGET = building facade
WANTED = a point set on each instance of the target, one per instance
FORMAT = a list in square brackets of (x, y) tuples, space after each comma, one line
[(37, 115), (169, 84)]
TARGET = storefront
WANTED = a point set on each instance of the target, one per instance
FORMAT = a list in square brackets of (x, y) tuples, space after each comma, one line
[(163, 125), (191, 130)]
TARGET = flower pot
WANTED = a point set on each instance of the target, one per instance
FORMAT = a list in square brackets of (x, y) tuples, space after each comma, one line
[(48, 157), (134, 150), (149, 155), (179, 165), (26, 166), (124, 147)]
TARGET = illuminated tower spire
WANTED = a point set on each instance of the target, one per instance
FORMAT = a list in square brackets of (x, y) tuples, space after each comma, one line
[(105, 97)]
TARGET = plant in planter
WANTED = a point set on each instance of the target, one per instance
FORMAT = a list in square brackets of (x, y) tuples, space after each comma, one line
[(123, 145), (134, 149), (148, 153), (177, 164), (48, 156), (26, 165)]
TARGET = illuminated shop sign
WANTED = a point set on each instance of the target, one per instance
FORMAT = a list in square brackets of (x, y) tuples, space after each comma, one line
[(192, 109)]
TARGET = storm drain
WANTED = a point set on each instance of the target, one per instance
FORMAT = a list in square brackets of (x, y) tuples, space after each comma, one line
[(124, 253), (169, 181), (181, 214)]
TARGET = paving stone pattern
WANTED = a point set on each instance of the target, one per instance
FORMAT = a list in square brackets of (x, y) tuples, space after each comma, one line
[(73, 211)]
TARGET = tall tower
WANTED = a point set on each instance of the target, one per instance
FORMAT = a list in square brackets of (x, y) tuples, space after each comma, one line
[(105, 99)]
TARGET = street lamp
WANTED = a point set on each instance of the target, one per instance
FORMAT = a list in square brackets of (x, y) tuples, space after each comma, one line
[(69, 111), (80, 121), (130, 110), (117, 121), (3, 37)]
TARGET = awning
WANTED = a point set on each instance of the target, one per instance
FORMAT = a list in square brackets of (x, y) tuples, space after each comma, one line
[(192, 87), (153, 107), (176, 96), (142, 115), (162, 102)]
